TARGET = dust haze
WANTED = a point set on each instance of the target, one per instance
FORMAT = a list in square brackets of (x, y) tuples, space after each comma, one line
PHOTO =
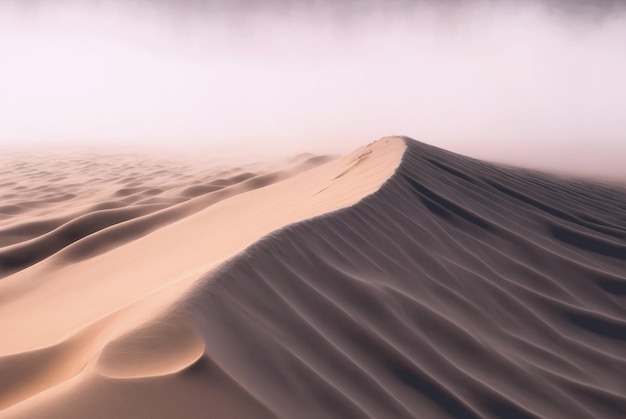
[(540, 84)]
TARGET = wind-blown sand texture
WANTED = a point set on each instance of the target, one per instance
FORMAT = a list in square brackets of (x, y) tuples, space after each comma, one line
[(400, 281)]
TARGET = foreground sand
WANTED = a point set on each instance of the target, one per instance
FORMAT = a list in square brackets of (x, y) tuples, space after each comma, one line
[(429, 285)]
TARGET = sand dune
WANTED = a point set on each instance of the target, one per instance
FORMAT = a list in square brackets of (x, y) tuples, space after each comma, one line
[(42, 228), (399, 281)]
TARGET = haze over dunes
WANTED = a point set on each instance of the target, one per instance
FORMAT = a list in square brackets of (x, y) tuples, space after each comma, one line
[(400, 280), (537, 83)]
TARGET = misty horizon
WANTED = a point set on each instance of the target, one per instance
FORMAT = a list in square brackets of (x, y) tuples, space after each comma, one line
[(537, 85)]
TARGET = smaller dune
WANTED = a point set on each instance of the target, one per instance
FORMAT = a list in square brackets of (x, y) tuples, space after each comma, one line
[(161, 347), (41, 220)]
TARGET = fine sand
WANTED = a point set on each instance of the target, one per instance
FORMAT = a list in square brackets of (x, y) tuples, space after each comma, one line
[(399, 281)]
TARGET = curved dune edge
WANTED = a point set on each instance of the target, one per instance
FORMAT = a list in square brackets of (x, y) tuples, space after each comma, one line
[(117, 287), (164, 346), (32, 372)]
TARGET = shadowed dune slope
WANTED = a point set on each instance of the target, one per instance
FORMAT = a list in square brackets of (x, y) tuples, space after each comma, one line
[(459, 289)]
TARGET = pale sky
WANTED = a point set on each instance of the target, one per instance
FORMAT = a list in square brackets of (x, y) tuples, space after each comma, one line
[(521, 84)]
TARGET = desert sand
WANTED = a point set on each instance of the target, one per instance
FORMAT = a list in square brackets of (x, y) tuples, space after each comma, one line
[(399, 281)]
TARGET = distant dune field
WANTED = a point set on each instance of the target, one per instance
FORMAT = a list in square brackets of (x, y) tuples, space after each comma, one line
[(399, 281)]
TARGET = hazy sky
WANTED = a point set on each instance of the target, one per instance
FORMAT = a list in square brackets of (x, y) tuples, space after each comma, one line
[(543, 82)]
